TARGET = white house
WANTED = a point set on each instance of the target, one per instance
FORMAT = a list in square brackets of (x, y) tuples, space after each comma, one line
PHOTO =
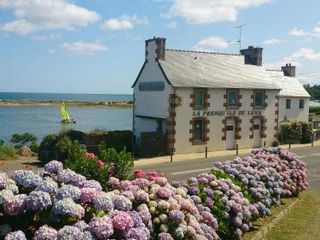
[(185, 101)]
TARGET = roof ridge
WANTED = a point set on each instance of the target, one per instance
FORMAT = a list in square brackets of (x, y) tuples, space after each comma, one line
[(273, 70), (204, 52)]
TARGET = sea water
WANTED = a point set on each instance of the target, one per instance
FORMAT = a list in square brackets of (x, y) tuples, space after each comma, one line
[(41, 121)]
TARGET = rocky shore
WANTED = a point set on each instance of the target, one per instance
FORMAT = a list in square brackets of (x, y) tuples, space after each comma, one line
[(27, 103)]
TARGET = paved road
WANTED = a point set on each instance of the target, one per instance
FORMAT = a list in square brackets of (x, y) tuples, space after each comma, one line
[(184, 169)]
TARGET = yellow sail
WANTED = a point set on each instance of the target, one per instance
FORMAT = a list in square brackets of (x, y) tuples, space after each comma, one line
[(63, 111)]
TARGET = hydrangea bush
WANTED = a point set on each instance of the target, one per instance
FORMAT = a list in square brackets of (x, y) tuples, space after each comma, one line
[(59, 203)]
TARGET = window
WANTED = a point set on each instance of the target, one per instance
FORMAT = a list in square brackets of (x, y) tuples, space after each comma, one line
[(198, 130), (301, 103), (258, 98), (199, 98), (232, 98), (288, 103)]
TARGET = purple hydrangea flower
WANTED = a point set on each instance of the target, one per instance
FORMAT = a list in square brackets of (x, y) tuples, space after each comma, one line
[(82, 225), (122, 221), (176, 216), (17, 235), (15, 205), (69, 208), (88, 194), (92, 184), (141, 196), (122, 203), (78, 180), (165, 236), (53, 167), (38, 200), (4, 194), (164, 193), (27, 179), (103, 201), (140, 233), (48, 185), (45, 233), (102, 227), (70, 233), (113, 182), (66, 176), (88, 236), (136, 218), (141, 182), (68, 191)]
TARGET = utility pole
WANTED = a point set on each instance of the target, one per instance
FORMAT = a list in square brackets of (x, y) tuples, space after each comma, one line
[(240, 27)]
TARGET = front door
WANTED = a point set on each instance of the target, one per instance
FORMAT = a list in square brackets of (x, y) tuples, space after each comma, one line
[(230, 134), (257, 132)]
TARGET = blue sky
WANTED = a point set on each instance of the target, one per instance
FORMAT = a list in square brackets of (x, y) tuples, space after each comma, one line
[(97, 46)]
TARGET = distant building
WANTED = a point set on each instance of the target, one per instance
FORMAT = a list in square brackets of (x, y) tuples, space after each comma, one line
[(185, 101)]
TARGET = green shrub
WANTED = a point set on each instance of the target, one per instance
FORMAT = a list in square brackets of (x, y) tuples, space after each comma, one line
[(54, 147), (314, 110), (20, 140), (7, 153), (307, 133), (120, 163), (34, 146), (297, 132), (275, 144)]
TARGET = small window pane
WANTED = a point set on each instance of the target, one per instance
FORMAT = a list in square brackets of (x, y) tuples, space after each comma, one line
[(198, 98), (229, 128), (198, 130), (232, 98), (288, 103), (301, 104), (258, 98)]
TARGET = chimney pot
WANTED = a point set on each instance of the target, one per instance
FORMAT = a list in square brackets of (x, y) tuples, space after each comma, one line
[(289, 70), (252, 55), (158, 45)]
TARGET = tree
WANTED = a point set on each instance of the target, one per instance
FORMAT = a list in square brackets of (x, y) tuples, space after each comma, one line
[(20, 140)]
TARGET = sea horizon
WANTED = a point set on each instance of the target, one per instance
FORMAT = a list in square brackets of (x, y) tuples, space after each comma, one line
[(42, 96)]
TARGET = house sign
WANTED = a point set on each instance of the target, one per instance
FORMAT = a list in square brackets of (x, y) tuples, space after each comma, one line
[(227, 113)]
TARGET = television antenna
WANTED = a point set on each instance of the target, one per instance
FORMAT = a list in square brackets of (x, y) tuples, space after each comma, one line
[(240, 27)]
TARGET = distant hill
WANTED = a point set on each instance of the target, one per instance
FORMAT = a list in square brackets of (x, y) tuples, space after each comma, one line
[(314, 91)]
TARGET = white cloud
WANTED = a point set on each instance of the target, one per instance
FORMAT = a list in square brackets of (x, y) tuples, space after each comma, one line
[(271, 41), (304, 54), (172, 25), (298, 32), (123, 23), (22, 27), (49, 37), (37, 15), (84, 48), (51, 51), (211, 43), (209, 11)]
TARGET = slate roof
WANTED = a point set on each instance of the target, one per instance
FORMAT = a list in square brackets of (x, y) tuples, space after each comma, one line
[(290, 86), (214, 70)]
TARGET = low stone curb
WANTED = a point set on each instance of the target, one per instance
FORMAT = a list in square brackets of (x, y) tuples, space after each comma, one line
[(263, 231)]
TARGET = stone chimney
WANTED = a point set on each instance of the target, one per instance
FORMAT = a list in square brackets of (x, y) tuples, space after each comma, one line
[(252, 55), (155, 49), (289, 70)]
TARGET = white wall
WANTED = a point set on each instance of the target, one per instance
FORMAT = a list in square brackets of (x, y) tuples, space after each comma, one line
[(294, 113), (150, 103), (185, 114)]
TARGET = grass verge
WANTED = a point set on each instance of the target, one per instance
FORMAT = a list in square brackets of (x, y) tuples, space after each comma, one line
[(302, 222), (259, 223)]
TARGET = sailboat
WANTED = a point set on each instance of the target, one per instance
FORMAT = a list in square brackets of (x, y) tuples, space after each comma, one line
[(65, 115)]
